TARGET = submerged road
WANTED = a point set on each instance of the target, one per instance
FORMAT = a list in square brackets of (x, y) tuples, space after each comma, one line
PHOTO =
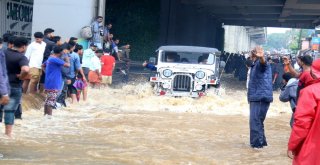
[(129, 125)]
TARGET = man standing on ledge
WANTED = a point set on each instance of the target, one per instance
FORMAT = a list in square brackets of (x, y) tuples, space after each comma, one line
[(97, 32), (259, 97)]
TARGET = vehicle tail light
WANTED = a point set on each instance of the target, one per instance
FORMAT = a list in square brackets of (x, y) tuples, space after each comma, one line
[(153, 78), (201, 94), (212, 81), (162, 93)]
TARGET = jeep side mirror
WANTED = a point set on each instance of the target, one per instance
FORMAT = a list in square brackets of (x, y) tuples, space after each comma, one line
[(222, 64), (152, 60)]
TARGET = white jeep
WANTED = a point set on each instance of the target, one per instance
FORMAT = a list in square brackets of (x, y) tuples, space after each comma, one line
[(186, 70)]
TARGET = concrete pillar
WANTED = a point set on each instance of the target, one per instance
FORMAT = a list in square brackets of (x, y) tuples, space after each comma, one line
[(237, 39), (164, 21), (102, 9), (194, 27), (171, 36)]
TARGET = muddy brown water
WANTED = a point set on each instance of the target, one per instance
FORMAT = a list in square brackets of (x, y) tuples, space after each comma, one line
[(129, 125)]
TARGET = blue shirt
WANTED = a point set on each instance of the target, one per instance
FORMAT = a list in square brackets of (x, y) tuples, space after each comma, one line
[(96, 32), (53, 79), (151, 67), (4, 83), (65, 70), (260, 83), (74, 65)]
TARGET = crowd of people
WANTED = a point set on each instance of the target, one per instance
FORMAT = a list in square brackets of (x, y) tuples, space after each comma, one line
[(104, 39), (299, 87), (54, 68), (60, 69), (275, 60)]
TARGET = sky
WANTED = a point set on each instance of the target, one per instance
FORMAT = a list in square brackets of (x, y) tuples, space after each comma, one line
[(277, 30)]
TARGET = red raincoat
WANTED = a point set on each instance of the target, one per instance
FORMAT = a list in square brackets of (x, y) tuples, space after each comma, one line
[(305, 135)]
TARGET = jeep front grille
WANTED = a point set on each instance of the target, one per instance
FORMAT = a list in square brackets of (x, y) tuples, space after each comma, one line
[(182, 83)]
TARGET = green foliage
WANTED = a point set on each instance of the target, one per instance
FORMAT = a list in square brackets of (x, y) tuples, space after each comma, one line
[(135, 22), (277, 40), (291, 39)]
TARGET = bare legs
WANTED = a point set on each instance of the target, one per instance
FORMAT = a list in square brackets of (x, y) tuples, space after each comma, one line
[(8, 130), (47, 110)]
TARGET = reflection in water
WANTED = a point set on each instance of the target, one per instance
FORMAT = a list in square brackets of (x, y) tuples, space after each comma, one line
[(132, 126)]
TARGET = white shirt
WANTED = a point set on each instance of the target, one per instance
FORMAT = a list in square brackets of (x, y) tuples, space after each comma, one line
[(95, 64), (87, 56), (35, 54)]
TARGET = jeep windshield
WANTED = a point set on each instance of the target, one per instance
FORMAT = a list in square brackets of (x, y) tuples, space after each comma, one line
[(187, 58)]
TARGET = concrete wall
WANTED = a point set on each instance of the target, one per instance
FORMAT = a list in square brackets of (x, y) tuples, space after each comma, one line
[(66, 17), (236, 39), (182, 24)]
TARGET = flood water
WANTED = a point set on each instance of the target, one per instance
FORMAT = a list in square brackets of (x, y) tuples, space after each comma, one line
[(129, 125)]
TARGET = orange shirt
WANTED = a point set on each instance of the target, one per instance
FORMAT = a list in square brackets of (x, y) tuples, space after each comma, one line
[(107, 63), (286, 69)]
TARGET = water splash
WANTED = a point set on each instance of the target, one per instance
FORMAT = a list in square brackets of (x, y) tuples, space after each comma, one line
[(131, 125)]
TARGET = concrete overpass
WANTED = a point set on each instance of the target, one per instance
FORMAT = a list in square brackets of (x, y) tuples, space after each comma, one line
[(201, 22), (182, 22), (243, 38), (265, 13)]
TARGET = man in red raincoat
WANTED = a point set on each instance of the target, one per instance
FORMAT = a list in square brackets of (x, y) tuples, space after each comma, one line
[(304, 142)]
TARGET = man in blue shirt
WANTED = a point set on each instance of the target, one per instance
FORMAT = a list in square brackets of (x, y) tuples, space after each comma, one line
[(259, 96), (75, 67), (106, 36), (97, 32), (53, 81), (4, 83)]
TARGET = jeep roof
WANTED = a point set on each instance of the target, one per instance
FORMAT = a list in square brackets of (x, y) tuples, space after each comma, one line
[(188, 49)]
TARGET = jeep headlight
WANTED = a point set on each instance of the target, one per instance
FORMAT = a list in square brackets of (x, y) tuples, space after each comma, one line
[(167, 73), (200, 74)]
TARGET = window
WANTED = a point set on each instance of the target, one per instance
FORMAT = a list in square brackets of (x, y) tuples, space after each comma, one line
[(188, 58)]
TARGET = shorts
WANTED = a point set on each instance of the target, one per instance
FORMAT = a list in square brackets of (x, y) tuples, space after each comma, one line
[(86, 72), (35, 74), (107, 80), (12, 106), (71, 88), (51, 98), (94, 77), (42, 78)]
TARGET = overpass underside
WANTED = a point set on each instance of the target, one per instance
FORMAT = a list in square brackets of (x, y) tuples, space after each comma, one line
[(265, 13), (200, 22)]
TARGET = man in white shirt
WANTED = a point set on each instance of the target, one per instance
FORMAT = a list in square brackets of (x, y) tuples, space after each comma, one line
[(34, 54), (86, 59), (95, 70)]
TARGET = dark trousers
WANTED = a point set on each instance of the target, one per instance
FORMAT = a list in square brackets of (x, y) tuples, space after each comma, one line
[(258, 112)]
